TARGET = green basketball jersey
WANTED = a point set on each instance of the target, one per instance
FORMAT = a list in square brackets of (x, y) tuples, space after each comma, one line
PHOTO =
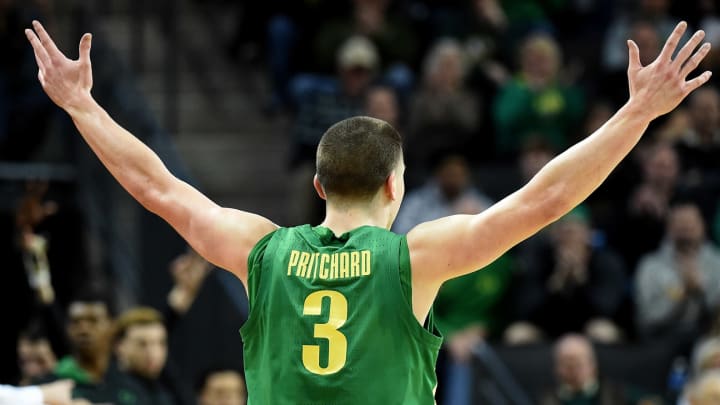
[(331, 321)]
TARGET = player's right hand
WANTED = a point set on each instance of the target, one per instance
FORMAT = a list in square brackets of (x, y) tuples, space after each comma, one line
[(660, 86), (67, 82)]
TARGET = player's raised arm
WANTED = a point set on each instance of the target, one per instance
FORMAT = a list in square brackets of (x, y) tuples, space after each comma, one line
[(456, 245), (223, 236)]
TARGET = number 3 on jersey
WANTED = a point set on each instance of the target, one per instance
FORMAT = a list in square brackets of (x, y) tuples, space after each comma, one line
[(337, 342)]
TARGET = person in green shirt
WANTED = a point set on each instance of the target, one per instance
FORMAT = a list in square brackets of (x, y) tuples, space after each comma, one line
[(340, 313), (536, 103), (89, 364)]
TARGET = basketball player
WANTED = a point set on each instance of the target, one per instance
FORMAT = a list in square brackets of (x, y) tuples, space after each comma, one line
[(341, 312)]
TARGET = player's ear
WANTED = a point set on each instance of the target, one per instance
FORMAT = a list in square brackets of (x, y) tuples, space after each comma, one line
[(319, 188), (390, 186)]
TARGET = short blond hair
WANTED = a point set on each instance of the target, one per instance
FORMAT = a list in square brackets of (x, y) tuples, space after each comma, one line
[(139, 316)]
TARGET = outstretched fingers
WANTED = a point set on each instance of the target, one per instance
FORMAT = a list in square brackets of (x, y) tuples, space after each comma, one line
[(46, 41), (41, 56), (688, 49), (694, 62), (672, 42), (693, 84)]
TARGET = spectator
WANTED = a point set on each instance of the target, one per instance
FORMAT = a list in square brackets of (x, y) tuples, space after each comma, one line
[(648, 39), (699, 146), (395, 42), (705, 390), (535, 154), (381, 102), (89, 329), (578, 381), (222, 387), (35, 354), (639, 228), (463, 316), (653, 12), (676, 286), (467, 312), (189, 271), (443, 113), (571, 285), (141, 349), (466, 307), (536, 103), (700, 143), (323, 103), (448, 192)]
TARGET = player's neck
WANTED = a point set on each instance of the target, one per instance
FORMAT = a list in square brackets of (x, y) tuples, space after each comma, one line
[(348, 217)]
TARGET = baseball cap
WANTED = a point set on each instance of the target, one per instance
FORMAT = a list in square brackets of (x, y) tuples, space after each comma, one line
[(358, 51)]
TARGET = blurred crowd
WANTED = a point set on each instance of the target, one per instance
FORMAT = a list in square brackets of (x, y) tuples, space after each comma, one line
[(485, 93)]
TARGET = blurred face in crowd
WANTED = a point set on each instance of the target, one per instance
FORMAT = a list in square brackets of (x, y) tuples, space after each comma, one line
[(446, 68), (647, 40), (571, 233), (661, 167), (355, 79), (223, 388), (143, 349), (705, 111), (36, 358), (532, 160), (453, 176), (575, 362), (540, 60), (382, 104), (379, 4), (88, 328), (597, 116), (686, 228), (654, 7)]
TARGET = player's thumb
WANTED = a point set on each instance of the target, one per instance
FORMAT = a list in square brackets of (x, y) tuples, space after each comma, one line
[(85, 44), (633, 55)]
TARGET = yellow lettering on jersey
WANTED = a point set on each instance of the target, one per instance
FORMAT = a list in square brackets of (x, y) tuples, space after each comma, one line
[(313, 266), (294, 256), (302, 264), (354, 264), (365, 262), (344, 265), (329, 266), (334, 266), (324, 258)]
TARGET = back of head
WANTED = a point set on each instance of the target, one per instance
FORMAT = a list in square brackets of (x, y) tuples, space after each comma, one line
[(355, 157)]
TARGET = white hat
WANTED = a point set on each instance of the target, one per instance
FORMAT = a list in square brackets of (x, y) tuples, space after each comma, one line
[(358, 51)]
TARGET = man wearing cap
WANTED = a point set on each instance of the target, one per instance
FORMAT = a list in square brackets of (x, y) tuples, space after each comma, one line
[(321, 102)]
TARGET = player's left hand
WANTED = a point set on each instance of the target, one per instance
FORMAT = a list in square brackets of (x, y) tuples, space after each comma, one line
[(660, 86)]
